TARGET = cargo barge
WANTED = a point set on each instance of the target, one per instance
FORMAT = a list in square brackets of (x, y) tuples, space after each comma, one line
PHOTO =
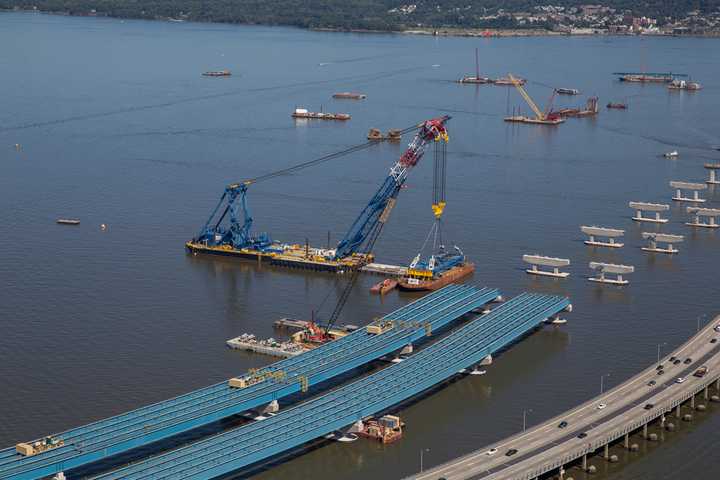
[(393, 135), (350, 96), (67, 221), (617, 106), (646, 77), (422, 280), (507, 81), (294, 256), (568, 91), (304, 113), (218, 73), (539, 121)]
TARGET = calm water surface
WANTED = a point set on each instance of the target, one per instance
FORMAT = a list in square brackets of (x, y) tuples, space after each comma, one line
[(117, 127)]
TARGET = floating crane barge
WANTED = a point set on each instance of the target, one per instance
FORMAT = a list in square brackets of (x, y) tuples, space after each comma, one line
[(236, 239)]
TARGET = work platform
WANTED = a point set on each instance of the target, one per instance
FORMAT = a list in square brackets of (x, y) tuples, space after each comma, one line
[(137, 428), (292, 428)]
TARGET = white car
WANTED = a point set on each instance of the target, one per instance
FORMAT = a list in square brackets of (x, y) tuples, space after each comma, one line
[(717, 327), (601, 406), (492, 451), (680, 380)]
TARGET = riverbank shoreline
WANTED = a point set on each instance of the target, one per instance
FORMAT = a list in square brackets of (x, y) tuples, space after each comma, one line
[(430, 31)]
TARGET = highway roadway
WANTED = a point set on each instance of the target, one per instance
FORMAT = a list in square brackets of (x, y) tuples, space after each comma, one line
[(547, 447)]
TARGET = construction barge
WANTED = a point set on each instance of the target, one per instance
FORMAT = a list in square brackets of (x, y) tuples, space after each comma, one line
[(350, 96), (684, 85), (218, 73), (393, 135), (440, 270), (642, 77), (591, 108), (304, 113)]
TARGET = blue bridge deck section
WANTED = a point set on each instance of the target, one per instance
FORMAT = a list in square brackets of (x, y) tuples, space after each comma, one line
[(165, 419), (291, 428)]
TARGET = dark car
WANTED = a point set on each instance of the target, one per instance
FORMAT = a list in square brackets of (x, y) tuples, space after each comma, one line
[(660, 367), (563, 424), (714, 340), (648, 406), (676, 362), (688, 361), (582, 435), (660, 372), (652, 383), (673, 358), (511, 452)]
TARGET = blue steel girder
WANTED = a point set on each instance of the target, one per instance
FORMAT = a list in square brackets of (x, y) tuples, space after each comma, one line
[(105, 438), (368, 218), (375, 393)]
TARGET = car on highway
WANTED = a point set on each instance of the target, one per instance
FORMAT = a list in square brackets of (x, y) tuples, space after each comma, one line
[(660, 372), (563, 424), (601, 406), (700, 372), (714, 340), (648, 406), (582, 435), (652, 383), (676, 362), (717, 327), (688, 361), (673, 358), (511, 452), (660, 367), (492, 451), (680, 380)]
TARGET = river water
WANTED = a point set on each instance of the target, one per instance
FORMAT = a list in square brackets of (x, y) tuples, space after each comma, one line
[(115, 126)]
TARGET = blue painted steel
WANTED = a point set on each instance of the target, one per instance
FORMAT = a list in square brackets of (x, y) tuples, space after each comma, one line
[(257, 441), (238, 235), (140, 427)]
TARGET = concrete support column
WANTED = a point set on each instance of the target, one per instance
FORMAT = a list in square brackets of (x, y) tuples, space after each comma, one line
[(645, 431), (677, 411), (662, 421), (692, 402), (717, 385), (626, 441), (562, 473), (606, 452), (584, 463), (706, 393)]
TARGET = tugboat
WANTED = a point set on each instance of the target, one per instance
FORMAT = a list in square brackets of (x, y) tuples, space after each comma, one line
[(384, 287), (684, 85), (441, 269)]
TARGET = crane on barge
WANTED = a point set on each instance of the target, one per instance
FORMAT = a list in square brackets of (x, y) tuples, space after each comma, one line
[(228, 230)]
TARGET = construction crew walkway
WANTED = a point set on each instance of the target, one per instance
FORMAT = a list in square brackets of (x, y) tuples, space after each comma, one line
[(165, 419), (375, 393)]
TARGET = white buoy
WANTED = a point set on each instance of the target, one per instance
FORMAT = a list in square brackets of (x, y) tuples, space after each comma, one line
[(693, 187), (641, 207), (610, 233), (103, 226), (604, 268)]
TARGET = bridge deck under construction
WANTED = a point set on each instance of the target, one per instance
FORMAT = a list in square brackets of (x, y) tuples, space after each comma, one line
[(163, 420), (251, 443)]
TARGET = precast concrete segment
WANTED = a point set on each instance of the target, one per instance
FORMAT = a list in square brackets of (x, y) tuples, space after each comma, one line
[(164, 419), (544, 447), (291, 428)]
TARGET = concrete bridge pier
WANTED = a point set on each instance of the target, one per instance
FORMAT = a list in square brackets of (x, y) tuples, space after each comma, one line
[(626, 441), (692, 402), (584, 463), (706, 393), (717, 384), (562, 473), (662, 421), (606, 451), (677, 411), (645, 431)]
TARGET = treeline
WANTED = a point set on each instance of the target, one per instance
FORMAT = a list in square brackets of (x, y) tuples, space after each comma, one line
[(348, 14)]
